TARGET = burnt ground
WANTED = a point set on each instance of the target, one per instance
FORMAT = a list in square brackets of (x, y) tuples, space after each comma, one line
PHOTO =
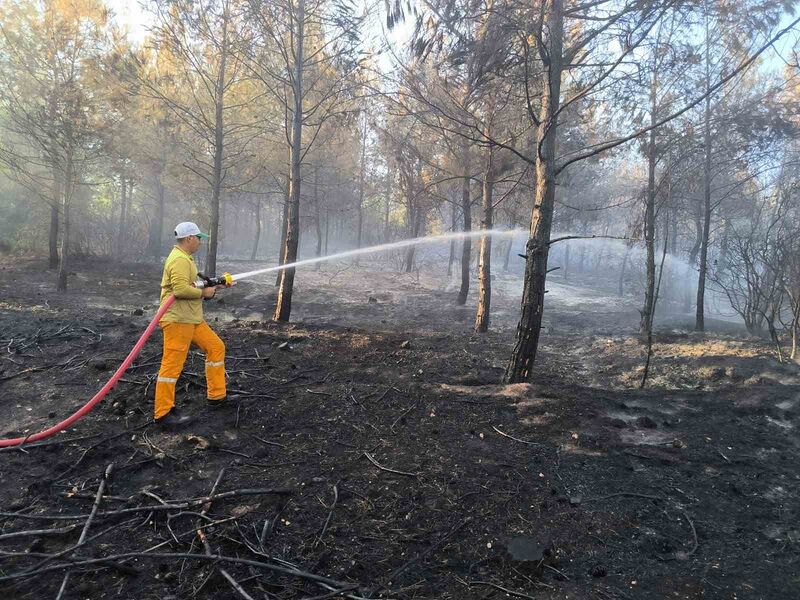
[(380, 451)]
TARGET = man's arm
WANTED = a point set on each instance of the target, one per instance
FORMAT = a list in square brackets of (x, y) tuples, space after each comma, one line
[(180, 278)]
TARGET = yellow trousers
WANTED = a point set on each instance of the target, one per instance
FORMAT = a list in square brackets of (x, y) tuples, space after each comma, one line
[(178, 337)]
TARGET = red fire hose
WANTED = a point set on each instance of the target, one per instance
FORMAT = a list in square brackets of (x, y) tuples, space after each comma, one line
[(102, 393)]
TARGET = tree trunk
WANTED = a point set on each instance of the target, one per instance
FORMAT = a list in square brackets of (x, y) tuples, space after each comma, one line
[(157, 225), (466, 249), (254, 251), (701, 281), (284, 304), (485, 259), (523, 355), (408, 264), (63, 265), (123, 215), (317, 217), (327, 223), (388, 199), (508, 254), (621, 286), (361, 180), (650, 220), (452, 257), (53, 237), (566, 261), (219, 148), (284, 227)]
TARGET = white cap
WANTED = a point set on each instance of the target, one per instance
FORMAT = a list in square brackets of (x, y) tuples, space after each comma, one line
[(188, 228)]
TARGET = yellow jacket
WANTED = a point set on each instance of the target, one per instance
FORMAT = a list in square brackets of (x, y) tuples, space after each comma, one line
[(180, 273)]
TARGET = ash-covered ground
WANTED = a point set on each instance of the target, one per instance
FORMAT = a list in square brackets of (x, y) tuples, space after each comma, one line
[(372, 452)]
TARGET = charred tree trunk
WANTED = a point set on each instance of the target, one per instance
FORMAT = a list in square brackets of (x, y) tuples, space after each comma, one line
[(621, 287), (485, 259), (520, 365), (327, 223), (123, 215), (317, 217), (361, 180), (701, 280), (254, 251), (284, 304), (408, 264), (387, 204), (466, 250), (507, 257), (63, 265), (219, 148), (157, 224), (284, 226), (53, 237), (452, 257), (650, 222)]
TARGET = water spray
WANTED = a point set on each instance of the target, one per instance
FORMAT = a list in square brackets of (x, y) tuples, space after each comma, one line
[(227, 280)]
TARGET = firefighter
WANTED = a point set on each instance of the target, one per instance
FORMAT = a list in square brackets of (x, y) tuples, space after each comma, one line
[(183, 325)]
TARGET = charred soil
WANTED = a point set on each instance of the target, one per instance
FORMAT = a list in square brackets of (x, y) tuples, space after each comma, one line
[(371, 451)]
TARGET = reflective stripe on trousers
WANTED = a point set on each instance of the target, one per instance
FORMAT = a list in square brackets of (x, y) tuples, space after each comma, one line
[(178, 338)]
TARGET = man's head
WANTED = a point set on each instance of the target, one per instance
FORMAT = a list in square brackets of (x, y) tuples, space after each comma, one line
[(188, 236)]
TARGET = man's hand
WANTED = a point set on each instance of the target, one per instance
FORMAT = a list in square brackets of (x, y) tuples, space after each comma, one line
[(208, 292)]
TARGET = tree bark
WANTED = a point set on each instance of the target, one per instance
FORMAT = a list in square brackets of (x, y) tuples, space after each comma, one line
[(361, 180), (123, 215), (327, 223), (387, 206), (452, 256), (523, 355), (621, 286), (63, 265), (466, 249), (219, 148), (650, 218), (284, 227), (317, 217), (701, 280), (254, 251), (485, 257), (157, 225), (283, 307), (53, 237), (410, 251)]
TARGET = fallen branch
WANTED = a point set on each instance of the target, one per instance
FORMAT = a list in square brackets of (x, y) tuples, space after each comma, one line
[(177, 556), (631, 494), (207, 547), (330, 513), (88, 524), (403, 414), (25, 371), (158, 507), (39, 532), (388, 470), (268, 443), (511, 437)]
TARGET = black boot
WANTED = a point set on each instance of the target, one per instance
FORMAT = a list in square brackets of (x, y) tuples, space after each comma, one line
[(172, 420), (228, 401)]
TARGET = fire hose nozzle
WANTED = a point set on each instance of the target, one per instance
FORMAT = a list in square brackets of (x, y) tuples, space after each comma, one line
[(225, 279)]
